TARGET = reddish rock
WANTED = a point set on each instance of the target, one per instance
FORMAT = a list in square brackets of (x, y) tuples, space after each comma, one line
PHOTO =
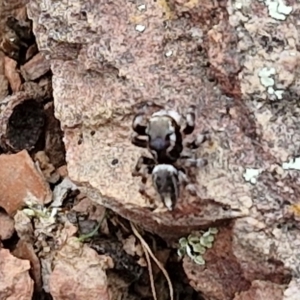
[(24, 250), (222, 276), (15, 281), (79, 271), (31, 51), (38, 90), (46, 167), (36, 67), (63, 171), (262, 290), (94, 210), (20, 182), (6, 226)]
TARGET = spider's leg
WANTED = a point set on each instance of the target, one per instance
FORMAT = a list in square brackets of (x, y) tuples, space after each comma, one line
[(194, 162), (139, 141), (183, 178), (188, 159), (139, 124), (190, 119), (143, 166), (198, 141), (189, 186)]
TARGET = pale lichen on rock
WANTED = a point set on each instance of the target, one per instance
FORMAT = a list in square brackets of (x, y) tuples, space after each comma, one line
[(278, 9), (251, 175)]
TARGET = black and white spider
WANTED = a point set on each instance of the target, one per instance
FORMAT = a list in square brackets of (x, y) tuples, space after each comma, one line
[(163, 134)]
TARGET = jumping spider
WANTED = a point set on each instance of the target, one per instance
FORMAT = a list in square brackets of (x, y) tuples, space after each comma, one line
[(162, 134), (167, 179)]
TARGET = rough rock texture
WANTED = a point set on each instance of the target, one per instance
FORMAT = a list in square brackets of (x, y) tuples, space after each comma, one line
[(293, 290), (35, 68), (18, 171), (124, 75), (6, 226), (261, 290), (3, 80), (78, 270), (222, 276), (237, 63), (15, 281)]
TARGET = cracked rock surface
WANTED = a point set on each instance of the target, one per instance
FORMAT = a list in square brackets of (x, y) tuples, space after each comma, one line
[(237, 61)]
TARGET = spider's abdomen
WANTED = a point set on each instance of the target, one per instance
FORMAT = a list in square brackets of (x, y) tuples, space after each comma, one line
[(166, 183)]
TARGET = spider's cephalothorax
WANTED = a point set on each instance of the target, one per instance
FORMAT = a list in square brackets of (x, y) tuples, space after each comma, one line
[(167, 179), (163, 133)]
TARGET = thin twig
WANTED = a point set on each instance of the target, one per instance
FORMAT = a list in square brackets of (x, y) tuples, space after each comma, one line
[(161, 267), (150, 272)]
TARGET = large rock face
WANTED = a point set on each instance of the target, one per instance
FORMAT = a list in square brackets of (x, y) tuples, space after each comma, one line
[(237, 63)]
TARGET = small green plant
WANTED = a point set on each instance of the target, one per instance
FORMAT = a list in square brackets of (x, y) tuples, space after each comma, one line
[(44, 214), (196, 244)]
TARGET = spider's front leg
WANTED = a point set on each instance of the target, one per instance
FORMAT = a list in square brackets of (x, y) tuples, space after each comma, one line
[(139, 141), (139, 124), (139, 137)]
